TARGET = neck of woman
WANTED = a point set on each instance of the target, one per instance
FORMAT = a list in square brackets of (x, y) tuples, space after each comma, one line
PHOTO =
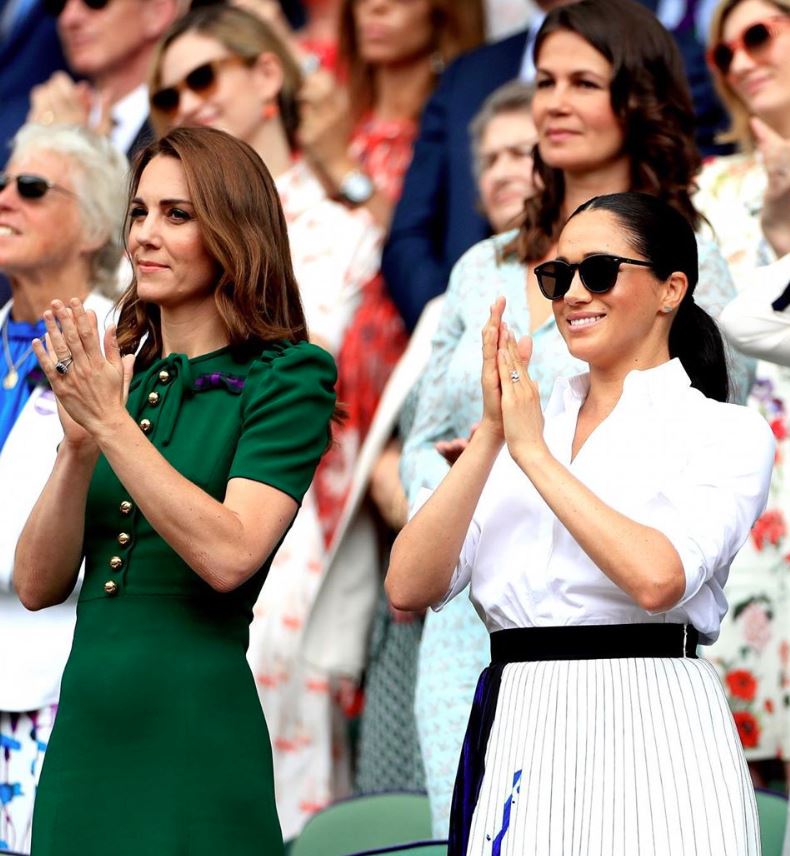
[(779, 121), (580, 187), (606, 382), (34, 291), (270, 142), (400, 91), (193, 330)]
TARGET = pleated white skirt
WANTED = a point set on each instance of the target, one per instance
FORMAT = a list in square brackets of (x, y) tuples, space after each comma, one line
[(622, 757)]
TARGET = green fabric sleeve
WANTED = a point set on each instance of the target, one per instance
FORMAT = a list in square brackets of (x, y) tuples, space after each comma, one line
[(287, 403)]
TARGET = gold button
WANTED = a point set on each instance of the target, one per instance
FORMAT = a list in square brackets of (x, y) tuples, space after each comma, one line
[(126, 507), (145, 424), (116, 562), (164, 376), (124, 538), (111, 588), (153, 398)]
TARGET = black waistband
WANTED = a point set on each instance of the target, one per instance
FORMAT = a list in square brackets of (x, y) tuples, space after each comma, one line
[(593, 642)]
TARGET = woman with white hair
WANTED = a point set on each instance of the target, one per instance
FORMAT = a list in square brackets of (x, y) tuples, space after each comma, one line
[(61, 224)]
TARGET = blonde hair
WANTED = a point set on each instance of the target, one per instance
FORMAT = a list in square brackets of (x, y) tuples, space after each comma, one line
[(739, 131), (245, 35), (99, 173)]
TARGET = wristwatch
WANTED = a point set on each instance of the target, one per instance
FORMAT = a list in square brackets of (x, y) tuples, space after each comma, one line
[(356, 187)]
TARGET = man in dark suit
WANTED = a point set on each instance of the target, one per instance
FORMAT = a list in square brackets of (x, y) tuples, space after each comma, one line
[(436, 219), (109, 45)]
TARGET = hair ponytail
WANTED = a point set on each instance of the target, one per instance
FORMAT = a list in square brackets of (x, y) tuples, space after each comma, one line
[(696, 341)]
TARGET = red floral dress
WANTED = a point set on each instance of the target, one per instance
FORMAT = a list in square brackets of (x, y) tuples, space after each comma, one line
[(753, 649), (376, 338)]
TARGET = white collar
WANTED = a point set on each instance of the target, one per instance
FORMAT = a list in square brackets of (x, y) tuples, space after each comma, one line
[(645, 384)]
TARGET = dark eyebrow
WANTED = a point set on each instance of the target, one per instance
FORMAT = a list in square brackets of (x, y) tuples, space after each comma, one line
[(138, 201)]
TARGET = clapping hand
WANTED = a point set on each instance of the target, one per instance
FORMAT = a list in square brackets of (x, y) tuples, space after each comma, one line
[(91, 386), (511, 399), (775, 217)]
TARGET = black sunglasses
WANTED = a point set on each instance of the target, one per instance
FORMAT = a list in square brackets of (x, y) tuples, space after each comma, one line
[(31, 186), (598, 274), (55, 7), (200, 80), (753, 39)]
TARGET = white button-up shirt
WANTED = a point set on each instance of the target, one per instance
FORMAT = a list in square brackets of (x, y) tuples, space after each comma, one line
[(668, 457)]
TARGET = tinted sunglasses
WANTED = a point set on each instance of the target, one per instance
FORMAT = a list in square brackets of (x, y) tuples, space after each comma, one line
[(598, 274), (200, 80), (31, 186), (55, 7), (753, 39)]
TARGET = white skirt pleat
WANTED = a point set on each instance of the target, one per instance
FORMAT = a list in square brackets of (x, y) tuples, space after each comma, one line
[(624, 757)]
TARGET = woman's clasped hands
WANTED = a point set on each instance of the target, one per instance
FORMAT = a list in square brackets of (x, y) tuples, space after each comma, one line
[(91, 385), (511, 399)]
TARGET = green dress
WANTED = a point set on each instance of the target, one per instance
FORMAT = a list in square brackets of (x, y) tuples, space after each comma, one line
[(160, 747)]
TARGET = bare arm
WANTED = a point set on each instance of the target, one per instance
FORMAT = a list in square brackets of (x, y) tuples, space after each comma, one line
[(427, 549), (49, 550)]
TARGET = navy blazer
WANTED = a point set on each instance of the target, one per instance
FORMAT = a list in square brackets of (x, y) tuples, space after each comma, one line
[(437, 219)]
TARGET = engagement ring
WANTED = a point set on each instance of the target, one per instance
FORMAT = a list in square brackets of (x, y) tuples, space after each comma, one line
[(515, 376), (62, 366)]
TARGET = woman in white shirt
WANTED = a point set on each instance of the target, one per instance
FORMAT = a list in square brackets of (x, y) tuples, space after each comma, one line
[(597, 543)]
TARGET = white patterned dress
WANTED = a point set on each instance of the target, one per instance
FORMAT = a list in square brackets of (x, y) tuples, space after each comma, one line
[(752, 653)]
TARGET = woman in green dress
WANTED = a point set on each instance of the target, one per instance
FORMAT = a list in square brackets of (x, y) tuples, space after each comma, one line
[(180, 472)]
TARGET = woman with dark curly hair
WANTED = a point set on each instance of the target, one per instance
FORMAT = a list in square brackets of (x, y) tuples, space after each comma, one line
[(613, 113)]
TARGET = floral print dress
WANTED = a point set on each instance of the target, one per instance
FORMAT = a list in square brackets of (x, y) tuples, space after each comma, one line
[(753, 649)]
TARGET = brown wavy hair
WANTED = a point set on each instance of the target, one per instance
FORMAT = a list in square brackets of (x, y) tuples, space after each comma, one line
[(739, 131), (243, 228), (650, 97), (246, 36), (458, 26)]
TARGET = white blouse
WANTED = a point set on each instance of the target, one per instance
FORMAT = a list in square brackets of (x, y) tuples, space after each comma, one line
[(666, 456)]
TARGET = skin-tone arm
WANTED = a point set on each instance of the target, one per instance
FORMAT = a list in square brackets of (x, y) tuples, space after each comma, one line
[(637, 558), (225, 543), (775, 216), (426, 551), (324, 134)]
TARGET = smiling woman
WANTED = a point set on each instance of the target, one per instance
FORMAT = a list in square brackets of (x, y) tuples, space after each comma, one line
[(595, 723), (613, 113), (222, 404)]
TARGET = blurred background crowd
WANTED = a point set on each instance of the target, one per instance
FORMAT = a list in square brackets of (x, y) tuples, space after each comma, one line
[(426, 153)]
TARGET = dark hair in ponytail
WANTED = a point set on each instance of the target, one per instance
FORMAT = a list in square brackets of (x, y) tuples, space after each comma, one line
[(663, 236)]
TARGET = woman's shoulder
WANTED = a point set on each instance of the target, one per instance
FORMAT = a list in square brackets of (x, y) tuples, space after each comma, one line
[(485, 258), (735, 426), (293, 359)]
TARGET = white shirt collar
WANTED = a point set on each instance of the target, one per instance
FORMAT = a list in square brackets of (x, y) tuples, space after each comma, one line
[(128, 116), (643, 384), (527, 71)]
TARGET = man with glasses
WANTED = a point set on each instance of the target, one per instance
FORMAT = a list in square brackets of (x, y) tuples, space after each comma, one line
[(109, 44)]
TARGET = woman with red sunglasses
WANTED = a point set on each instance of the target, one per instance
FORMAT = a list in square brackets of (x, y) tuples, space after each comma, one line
[(746, 199)]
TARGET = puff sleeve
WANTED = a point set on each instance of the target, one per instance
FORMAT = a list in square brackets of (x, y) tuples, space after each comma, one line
[(287, 403)]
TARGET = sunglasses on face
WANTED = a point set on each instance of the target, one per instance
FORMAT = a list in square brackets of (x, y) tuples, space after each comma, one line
[(598, 274), (201, 80), (753, 39), (31, 186), (55, 7)]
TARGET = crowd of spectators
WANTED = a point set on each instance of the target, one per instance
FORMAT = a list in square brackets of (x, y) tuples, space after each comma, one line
[(426, 155)]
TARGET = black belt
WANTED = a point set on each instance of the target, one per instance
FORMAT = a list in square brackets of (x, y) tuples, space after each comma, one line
[(593, 642)]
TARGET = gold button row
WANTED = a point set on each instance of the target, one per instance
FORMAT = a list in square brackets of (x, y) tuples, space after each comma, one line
[(110, 588), (164, 376), (126, 508), (146, 425)]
